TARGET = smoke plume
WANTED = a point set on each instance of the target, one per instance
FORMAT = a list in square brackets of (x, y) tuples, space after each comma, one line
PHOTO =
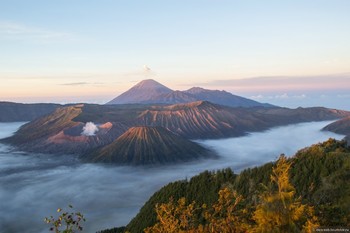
[(89, 129)]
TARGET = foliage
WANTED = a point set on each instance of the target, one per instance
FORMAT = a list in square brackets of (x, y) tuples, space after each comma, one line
[(67, 222), (174, 217), (203, 189), (225, 215), (279, 210)]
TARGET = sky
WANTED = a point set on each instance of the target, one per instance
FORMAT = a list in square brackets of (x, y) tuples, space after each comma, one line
[(289, 53)]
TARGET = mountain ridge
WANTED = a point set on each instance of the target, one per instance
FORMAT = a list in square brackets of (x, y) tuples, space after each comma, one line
[(12, 112), (61, 132), (152, 92)]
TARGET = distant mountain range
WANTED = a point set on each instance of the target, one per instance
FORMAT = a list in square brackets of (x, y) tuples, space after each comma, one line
[(165, 129), (10, 112), (151, 92)]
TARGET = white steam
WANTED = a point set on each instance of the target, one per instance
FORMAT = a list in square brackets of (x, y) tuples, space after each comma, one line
[(148, 72), (146, 69), (89, 129)]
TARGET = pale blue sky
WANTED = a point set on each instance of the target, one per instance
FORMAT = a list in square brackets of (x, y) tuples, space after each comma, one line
[(102, 46)]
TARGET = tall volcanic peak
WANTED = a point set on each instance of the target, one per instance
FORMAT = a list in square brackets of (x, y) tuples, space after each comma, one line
[(152, 92), (143, 92)]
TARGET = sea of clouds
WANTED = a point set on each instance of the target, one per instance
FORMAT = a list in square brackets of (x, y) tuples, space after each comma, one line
[(33, 186)]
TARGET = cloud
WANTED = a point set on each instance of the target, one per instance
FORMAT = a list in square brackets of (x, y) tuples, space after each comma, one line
[(11, 30), (148, 72), (146, 69), (343, 96), (281, 96), (257, 97), (89, 129), (302, 96), (80, 84), (74, 84), (46, 182), (285, 83), (145, 72)]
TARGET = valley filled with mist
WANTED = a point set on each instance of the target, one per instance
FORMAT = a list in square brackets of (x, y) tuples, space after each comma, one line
[(35, 185)]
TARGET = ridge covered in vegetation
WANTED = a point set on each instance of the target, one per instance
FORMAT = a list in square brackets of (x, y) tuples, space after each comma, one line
[(317, 179)]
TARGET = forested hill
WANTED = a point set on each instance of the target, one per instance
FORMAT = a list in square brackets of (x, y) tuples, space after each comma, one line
[(320, 174)]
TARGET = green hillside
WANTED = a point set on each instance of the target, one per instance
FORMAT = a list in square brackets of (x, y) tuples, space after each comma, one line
[(319, 173)]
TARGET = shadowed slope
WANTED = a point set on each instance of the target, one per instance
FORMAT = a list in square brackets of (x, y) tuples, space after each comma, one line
[(11, 112), (341, 126)]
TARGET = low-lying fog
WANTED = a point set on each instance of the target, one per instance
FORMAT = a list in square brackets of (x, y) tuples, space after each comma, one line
[(33, 186)]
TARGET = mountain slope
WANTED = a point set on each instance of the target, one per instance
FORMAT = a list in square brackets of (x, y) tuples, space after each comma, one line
[(145, 91), (175, 97), (203, 119), (148, 145), (341, 126), (223, 98), (53, 123)]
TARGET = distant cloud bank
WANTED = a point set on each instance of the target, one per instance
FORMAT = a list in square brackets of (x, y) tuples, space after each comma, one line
[(286, 83)]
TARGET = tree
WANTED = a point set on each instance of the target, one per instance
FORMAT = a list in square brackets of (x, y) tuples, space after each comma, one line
[(221, 217), (66, 222), (174, 217), (279, 210), (225, 216)]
